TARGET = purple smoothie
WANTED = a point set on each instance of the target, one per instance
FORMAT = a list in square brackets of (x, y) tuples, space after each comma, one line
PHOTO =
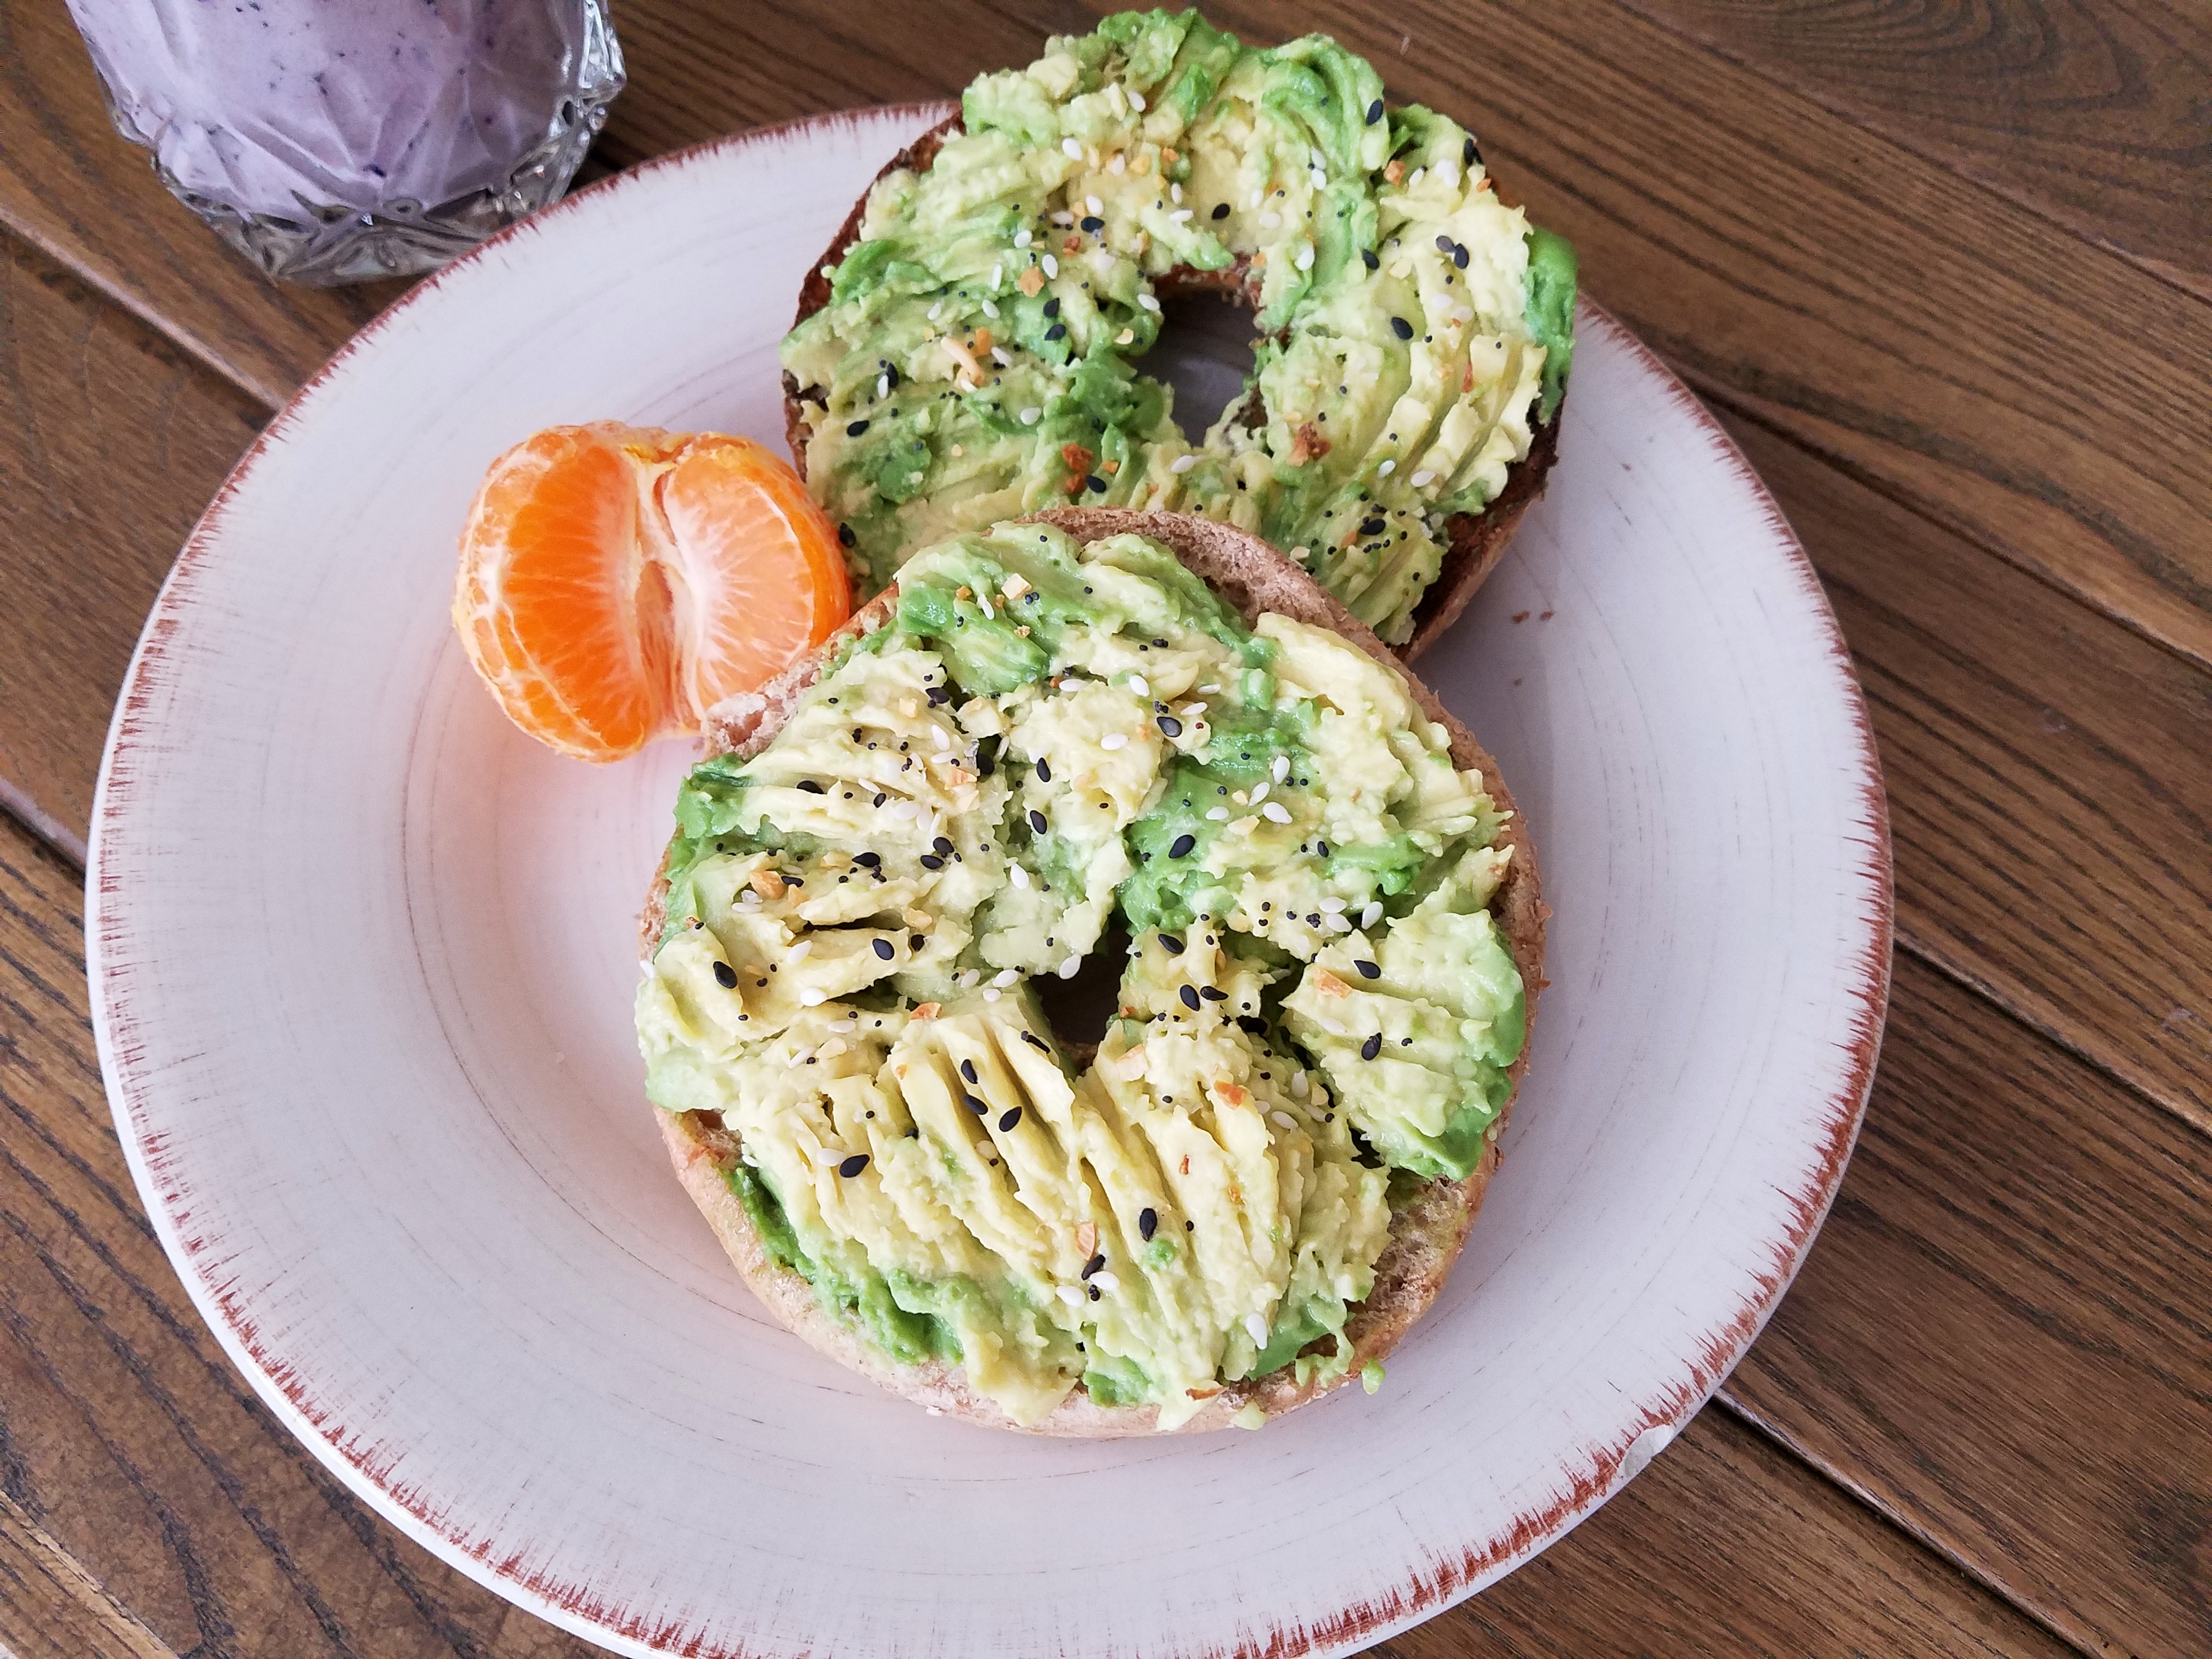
[(302, 129)]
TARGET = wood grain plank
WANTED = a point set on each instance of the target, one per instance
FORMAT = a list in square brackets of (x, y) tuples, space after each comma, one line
[(1791, 1568), (2049, 776), (70, 185), (2003, 1335), (125, 1437), (2093, 116), (52, 1608), (124, 1434), (112, 440)]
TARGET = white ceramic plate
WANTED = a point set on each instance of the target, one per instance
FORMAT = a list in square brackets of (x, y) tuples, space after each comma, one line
[(362, 958)]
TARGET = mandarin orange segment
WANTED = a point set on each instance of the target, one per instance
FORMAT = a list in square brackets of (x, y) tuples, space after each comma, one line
[(617, 582)]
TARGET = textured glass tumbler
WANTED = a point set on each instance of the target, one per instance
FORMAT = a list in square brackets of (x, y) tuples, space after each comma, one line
[(334, 141)]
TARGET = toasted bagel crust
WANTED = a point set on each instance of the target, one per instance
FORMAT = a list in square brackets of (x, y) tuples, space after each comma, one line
[(1426, 1236), (1475, 541)]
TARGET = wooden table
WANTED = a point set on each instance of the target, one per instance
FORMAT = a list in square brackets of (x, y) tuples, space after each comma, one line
[(1945, 273)]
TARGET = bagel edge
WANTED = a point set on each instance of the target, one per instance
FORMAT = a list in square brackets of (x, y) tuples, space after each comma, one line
[(1426, 1236), (1476, 540)]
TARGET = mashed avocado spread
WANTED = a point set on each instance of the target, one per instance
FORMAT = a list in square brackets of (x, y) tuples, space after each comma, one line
[(978, 355), (1043, 734)]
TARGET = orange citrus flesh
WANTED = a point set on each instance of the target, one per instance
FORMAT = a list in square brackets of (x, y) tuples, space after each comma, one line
[(617, 582)]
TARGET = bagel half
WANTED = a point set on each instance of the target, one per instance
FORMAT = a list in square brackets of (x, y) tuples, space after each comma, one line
[(1475, 541), (1425, 1235)]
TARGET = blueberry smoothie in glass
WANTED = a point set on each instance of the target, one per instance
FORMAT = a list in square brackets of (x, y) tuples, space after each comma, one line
[(331, 141)]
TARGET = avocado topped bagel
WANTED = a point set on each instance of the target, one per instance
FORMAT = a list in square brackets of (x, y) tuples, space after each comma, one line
[(1262, 1174), (971, 347)]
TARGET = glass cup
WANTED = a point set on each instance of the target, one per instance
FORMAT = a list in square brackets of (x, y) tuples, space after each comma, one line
[(335, 141)]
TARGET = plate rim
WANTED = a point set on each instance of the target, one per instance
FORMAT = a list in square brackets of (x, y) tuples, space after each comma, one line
[(1455, 1571)]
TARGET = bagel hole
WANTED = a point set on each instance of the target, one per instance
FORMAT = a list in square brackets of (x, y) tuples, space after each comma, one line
[(1079, 1008), (1204, 353)]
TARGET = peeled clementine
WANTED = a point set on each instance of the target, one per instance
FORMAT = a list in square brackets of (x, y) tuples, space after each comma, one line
[(617, 582)]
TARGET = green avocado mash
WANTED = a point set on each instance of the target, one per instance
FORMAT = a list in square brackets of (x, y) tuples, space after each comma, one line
[(978, 357), (1042, 734)]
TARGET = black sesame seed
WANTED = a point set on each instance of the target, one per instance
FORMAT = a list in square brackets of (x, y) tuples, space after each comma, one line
[(1368, 254), (943, 846), (891, 370), (1252, 1024), (1148, 1222), (880, 797), (1093, 223), (1094, 1265), (1036, 821), (856, 429), (1459, 255), (1373, 527), (1057, 331), (1036, 1043), (1095, 483), (1371, 1047), (1401, 328), (1213, 994), (967, 1070), (1374, 111), (811, 786), (1190, 1226), (885, 949), (726, 977), (1170, 726), (987, 756), (845, 534), (1043, 772), (1368, 970), (1096, 1294), (1221, 209), (973, 1104), (1321, 848), (868, 860), (1443, 245), (937, 695), (1171, 944), (853, 1165), (1180, 849), (931, 861), (1052, 307), (1468, 155), (1007, 1121), (1189, 994)]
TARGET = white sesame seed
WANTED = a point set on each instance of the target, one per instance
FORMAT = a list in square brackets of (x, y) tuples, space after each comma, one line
[(1332, 1027), (1073, 149), (1018, 876), (1005, 976), (998, 273), (1258, 197), (1070, 1295), (1175, 193), (1096, 206), (827, 1156), (1372, 914), (1447, 174), (1181, 215), (1184, 464), (1305, 261), (1072, 967), (1314, 159), (1300, 1086), (1120, 164), (1138, 684), (944, 737), (1386, 469), (1283, 1119), (906, 809), (1022, 237), (1113, 740), (1136, 98), (1031, 416), (984, 606), (1336, 924), (1424, 478), (1217, 815), (1415, 183), (1270, 219), (1256, 1328), (990, 310), (800, 1057), (883, 387), (990, 996), (1051, 265), (1332, 904), (998, 356), (937, 311), (1320, 179), (1281, 769), (1275, 812), (1063, 217), (810, 998), (1106, 1281), (843, 1024), (1209, 688), (1260, 791), (799, 951), (1147, 302)]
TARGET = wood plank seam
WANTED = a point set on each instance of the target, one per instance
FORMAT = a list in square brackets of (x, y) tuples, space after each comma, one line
[(70, 1591), (1842, 111)]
